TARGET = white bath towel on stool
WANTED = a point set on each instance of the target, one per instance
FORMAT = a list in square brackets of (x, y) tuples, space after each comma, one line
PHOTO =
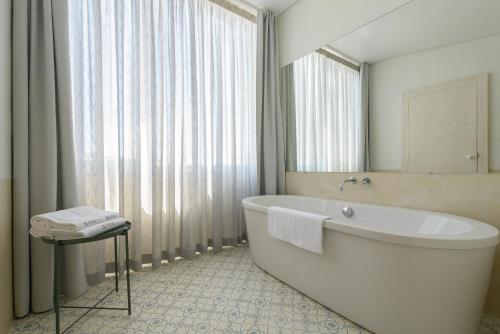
[(300, 228), (39, 232), (73, 219)]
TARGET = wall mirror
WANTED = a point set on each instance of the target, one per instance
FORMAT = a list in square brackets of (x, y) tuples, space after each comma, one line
[(417, 90)]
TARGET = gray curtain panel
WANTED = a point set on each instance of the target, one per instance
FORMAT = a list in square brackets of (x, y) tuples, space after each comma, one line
[(43, 163), (365, 78), (287, 98), (270, 131)]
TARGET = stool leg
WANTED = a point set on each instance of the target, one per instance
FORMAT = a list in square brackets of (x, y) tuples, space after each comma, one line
[(116, 263), (57, 290), (128, 274)]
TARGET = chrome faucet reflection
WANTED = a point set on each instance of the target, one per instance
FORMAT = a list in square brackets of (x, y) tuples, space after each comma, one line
[(351, 180)]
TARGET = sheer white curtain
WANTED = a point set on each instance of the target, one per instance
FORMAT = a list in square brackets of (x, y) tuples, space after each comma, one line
[(164, 116), (329, 119)]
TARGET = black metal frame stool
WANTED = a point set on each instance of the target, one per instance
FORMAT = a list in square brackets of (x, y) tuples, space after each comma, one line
[(58, 244)]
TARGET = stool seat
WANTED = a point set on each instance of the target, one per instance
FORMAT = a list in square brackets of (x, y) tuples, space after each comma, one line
[(59, 244)]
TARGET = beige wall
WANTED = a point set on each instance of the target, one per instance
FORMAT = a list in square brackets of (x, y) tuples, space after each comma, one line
[(6, 309), (473, 196), (390, 78), (310, 24)]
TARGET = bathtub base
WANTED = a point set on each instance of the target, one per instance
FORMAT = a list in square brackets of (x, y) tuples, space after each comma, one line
[(386, 288)]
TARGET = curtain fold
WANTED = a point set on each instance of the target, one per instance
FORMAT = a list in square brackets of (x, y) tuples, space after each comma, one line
[(270, 127), (287, 98), (365, 109), (164, 107), (43, 160), (329, 121)]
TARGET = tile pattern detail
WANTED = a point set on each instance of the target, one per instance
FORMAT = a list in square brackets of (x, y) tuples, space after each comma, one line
[(213, 293)]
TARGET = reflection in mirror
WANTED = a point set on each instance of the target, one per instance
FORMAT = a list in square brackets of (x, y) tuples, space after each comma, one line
[(433, 92), (322, 104)]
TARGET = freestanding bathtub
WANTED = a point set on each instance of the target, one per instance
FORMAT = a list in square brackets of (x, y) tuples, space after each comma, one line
[(391, 270)]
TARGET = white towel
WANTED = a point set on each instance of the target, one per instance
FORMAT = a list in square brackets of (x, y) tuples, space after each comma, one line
[(73, 219), (88, 232), (302, 229)]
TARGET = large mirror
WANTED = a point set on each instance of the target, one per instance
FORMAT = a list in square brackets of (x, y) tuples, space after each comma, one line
[(417, 90)]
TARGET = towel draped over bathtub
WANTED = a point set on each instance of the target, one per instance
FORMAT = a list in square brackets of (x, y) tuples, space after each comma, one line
[(300, 228)]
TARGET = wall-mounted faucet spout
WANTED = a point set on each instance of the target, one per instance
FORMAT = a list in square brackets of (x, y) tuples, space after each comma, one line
[(351, 180)]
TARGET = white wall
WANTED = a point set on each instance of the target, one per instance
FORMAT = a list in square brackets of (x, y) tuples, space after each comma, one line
[(310, 24), (391, 77)]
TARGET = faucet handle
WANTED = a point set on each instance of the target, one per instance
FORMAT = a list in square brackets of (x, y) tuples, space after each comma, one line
[(365, 180)]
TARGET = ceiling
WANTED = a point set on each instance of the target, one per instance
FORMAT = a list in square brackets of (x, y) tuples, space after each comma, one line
[(275, 6), (421, 25)]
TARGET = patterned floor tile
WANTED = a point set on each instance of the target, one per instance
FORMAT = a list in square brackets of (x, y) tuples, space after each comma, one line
[(213, 293)]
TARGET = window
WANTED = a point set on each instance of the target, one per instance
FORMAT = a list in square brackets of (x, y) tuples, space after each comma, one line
[(164, 107)]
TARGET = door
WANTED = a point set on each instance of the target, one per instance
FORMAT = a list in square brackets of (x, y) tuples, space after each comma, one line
[(444, 128)]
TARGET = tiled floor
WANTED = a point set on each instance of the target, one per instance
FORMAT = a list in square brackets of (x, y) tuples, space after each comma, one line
[(222, 293)]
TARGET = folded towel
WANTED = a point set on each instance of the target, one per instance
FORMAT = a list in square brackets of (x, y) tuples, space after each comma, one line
[(73, 219), (88, 232), (302, 229)]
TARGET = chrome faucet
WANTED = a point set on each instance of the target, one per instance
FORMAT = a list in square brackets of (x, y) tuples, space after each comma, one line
[(351, 180)]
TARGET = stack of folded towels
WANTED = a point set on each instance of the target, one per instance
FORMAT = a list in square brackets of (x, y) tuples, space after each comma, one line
[(74, 223)]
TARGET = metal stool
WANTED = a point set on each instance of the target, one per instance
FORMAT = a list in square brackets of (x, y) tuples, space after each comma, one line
[(58, 244)]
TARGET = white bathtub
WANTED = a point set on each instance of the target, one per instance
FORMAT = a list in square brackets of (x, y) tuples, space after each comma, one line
[(391, 270)]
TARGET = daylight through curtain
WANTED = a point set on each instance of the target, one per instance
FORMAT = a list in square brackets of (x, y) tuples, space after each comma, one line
[(164, 118)]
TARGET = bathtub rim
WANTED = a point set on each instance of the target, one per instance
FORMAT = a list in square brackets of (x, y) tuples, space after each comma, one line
[(483, 235)]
